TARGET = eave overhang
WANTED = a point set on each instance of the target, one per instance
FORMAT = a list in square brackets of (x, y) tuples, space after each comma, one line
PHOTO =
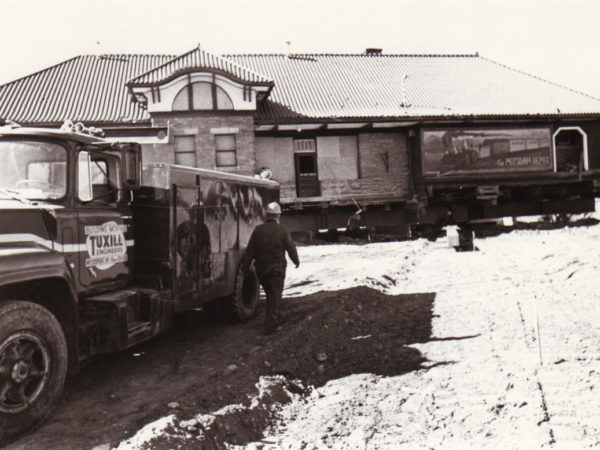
[(264, 125)]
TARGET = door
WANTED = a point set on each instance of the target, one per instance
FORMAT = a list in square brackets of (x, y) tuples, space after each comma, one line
[(104, 223), (307, 180)]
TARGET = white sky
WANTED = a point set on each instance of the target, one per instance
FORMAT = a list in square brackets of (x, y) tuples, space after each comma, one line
[(555, 39)]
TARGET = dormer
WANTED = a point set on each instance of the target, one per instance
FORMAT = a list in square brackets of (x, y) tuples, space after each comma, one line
[(199, 81)]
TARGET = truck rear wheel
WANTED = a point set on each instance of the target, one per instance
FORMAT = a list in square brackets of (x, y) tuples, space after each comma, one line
[(243, 303), (33, 365)]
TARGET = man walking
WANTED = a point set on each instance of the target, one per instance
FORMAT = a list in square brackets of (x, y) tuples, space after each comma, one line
[(268, 244)]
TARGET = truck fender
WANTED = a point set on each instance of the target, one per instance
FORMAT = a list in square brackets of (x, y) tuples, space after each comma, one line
[(39, 275)]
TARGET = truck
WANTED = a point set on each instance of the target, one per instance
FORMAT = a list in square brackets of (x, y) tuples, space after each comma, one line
[(99, 253)]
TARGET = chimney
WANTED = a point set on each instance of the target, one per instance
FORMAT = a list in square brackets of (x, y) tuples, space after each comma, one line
[(373, 51)]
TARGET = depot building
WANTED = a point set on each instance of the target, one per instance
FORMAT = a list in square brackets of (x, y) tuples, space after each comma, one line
[(373, 132)]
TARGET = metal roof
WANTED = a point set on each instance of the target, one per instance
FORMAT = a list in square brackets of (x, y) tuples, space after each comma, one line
[(389, 86), (90, 89), (198, 60), (93, 89)]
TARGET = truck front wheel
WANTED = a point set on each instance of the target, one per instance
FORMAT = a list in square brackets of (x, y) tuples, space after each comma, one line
[(33, 365)]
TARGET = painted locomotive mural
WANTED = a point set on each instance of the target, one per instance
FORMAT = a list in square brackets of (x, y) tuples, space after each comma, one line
[(475, 150)]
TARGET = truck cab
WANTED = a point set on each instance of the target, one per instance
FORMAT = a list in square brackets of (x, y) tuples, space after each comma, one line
[(70, 193)]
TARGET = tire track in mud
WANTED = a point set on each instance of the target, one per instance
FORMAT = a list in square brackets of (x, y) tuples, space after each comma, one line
[(570, 423), (559, 336), (531, 337), (501, 329), (530, 327)]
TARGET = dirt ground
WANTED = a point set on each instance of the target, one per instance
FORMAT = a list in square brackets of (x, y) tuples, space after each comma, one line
[(203, 365)]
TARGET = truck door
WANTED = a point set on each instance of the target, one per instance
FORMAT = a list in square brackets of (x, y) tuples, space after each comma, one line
[(104, 222)]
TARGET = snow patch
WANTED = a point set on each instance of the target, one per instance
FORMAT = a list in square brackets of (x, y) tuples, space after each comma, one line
[(194, 429), (514, 360), (147, 433)]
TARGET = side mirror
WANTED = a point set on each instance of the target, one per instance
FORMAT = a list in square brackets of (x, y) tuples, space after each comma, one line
[(131, 166)]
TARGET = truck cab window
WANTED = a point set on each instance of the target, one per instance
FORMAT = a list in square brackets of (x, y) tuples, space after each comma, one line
[(97, 180), (33, 170)]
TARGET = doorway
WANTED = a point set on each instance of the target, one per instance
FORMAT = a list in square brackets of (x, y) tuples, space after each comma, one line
[(307, 179), (570, 150)]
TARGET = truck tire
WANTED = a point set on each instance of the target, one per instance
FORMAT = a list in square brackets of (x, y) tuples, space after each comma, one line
[(33, 365), (243, 303)]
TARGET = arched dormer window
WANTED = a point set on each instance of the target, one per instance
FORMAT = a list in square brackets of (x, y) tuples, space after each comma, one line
[(202, 96)]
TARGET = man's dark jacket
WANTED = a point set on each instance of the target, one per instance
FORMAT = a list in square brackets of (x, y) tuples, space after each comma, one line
[(268, 245)]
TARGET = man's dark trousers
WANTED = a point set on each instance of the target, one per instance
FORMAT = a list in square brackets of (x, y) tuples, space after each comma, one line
[(268, 245), (272, 282)]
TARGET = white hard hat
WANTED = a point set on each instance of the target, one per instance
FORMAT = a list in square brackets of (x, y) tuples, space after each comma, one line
[(273, 208)]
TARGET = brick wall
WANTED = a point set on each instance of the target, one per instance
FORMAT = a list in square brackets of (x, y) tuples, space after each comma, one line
[(278, 155), (397, 185), (383, 167), (383, 154), (200, 125)]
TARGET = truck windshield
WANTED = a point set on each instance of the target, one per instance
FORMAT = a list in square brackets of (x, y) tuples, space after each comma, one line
[(34, 170)]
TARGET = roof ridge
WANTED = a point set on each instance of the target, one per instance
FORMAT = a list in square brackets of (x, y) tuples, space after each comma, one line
[(45, 69), (210, 54), (128, 54), (85, 55), (536, 77), (162, 65), (245, 68), (386, 55)]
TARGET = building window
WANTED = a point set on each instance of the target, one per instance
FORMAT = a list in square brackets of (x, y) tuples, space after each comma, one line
[(185, 151), (305, 146), (202, 96), (225, 150)]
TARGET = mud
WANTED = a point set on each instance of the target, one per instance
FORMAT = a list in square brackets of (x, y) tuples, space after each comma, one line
[(204, 365)]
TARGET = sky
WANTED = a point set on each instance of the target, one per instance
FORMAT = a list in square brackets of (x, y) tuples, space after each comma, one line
[(555, 40)]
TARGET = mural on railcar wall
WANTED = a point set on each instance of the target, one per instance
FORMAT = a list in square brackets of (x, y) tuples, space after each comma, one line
[(460, 150)]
